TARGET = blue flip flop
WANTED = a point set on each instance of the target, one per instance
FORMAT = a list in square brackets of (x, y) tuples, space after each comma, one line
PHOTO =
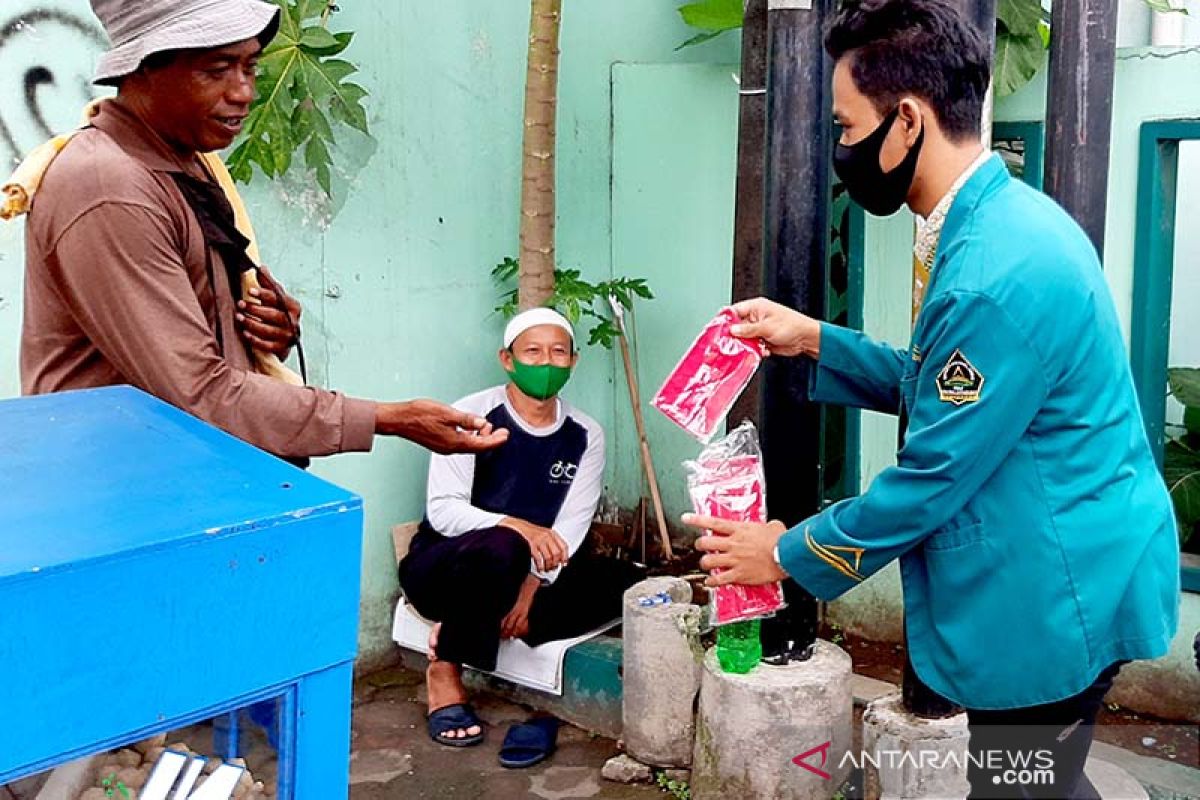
[(529, 743), (459, 716)]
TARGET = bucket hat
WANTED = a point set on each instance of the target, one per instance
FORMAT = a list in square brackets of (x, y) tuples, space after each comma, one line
[(138, 28)]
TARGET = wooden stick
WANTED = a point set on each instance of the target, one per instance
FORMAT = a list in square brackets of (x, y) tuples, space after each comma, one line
[(647, 461)]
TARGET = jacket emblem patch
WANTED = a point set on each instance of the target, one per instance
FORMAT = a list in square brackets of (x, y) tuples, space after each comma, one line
[(959, 382)]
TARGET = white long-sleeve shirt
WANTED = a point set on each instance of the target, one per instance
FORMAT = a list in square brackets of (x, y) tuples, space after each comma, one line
[(549, 476)]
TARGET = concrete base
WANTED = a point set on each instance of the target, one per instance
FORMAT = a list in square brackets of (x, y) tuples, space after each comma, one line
[(661, 673), (909, 758), (775, 732)]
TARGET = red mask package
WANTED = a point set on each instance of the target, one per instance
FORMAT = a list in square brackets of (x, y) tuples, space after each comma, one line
[(706, 382), (727, 482)]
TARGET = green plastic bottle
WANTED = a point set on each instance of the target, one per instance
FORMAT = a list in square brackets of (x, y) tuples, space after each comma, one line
[(739, 646)]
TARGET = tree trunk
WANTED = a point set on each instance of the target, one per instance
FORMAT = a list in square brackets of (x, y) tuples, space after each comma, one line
[(536, 280)]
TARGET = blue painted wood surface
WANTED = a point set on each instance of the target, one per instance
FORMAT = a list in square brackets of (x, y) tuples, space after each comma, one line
[(154, 572)]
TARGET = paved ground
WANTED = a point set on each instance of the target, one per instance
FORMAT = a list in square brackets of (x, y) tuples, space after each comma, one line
[(394, 757)]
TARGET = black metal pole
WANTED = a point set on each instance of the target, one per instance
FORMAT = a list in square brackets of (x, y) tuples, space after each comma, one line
[(795, 249), (748, 211), (1083, 42)]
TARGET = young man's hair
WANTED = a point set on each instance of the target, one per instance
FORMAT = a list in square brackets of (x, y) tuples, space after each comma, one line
[(925, 48)]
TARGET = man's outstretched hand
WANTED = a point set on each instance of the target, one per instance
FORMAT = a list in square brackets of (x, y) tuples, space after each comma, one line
[(438, 427)]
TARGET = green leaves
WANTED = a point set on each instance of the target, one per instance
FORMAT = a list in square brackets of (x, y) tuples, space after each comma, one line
[(114, 788), (1022, 34), (1181, 469), (576, 298), (1019, 16), (1185, 385), (713, 17), (1181, 457), (302, 85), (1018, 58)]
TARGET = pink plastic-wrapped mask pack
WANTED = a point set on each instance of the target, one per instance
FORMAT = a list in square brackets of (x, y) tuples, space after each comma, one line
[(708, 379), (727, 482)]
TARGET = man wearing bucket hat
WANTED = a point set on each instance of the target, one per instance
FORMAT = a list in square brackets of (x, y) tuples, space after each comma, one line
[(497, 555), (135, 255)]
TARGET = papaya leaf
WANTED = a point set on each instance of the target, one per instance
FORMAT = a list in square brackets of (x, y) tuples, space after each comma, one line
[(1185, 385), (1181, 469), (302, 87), (1018, 58), (1021, 17), (713, 15)]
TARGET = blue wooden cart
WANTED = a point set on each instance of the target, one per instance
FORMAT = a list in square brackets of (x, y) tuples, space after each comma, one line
[(155, 572)]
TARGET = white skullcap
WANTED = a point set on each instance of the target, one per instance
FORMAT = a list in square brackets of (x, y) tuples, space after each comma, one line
[(531, 319)]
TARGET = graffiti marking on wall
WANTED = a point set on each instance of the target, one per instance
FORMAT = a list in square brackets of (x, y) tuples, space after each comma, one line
[(47, 56)]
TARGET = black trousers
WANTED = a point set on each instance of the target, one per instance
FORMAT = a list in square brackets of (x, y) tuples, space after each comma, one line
[(1039, 751), (469, 583)]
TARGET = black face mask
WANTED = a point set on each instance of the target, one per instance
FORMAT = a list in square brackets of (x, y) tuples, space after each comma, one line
[(857, 166)]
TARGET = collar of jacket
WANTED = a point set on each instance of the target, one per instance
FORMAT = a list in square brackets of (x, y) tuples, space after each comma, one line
[(991, 176)]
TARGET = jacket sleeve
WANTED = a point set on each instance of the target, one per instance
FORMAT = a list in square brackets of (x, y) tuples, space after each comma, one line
[(854, 370), (975, 392)]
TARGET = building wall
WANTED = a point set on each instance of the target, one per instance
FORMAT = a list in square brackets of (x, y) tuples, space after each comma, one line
[(394, 274)]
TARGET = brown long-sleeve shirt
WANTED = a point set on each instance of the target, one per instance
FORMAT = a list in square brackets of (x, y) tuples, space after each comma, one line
[(118, 290)]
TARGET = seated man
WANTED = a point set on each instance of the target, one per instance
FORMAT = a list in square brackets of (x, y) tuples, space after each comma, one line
[(496, 555)]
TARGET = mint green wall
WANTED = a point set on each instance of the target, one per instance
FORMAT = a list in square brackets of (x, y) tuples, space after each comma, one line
[(674, 175), (395, 283), (396, 289)]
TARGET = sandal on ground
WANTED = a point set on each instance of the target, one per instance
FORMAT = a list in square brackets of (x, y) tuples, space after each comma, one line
[(529, 743), (459, 716)]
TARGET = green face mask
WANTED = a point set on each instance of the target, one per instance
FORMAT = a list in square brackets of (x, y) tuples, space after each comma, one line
[(540, 381)]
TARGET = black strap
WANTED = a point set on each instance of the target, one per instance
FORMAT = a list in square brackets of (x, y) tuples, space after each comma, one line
[(219, 226)]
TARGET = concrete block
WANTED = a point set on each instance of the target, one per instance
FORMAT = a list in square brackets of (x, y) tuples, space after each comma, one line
[(910, 758), (776, 732), (661, 673)]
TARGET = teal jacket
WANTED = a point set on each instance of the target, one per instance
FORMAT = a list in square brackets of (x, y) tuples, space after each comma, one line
[(1036, 538)]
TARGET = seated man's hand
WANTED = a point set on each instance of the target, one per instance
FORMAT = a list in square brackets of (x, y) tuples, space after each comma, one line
[(270, 318), (743, 551), (549, 550), (438, 427), (516, 623)]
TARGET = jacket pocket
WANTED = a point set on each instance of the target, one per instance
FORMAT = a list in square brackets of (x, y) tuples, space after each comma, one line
[(955, 539)]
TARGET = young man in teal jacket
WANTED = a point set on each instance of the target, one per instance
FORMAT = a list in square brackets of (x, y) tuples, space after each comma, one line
[(1036, 539)]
